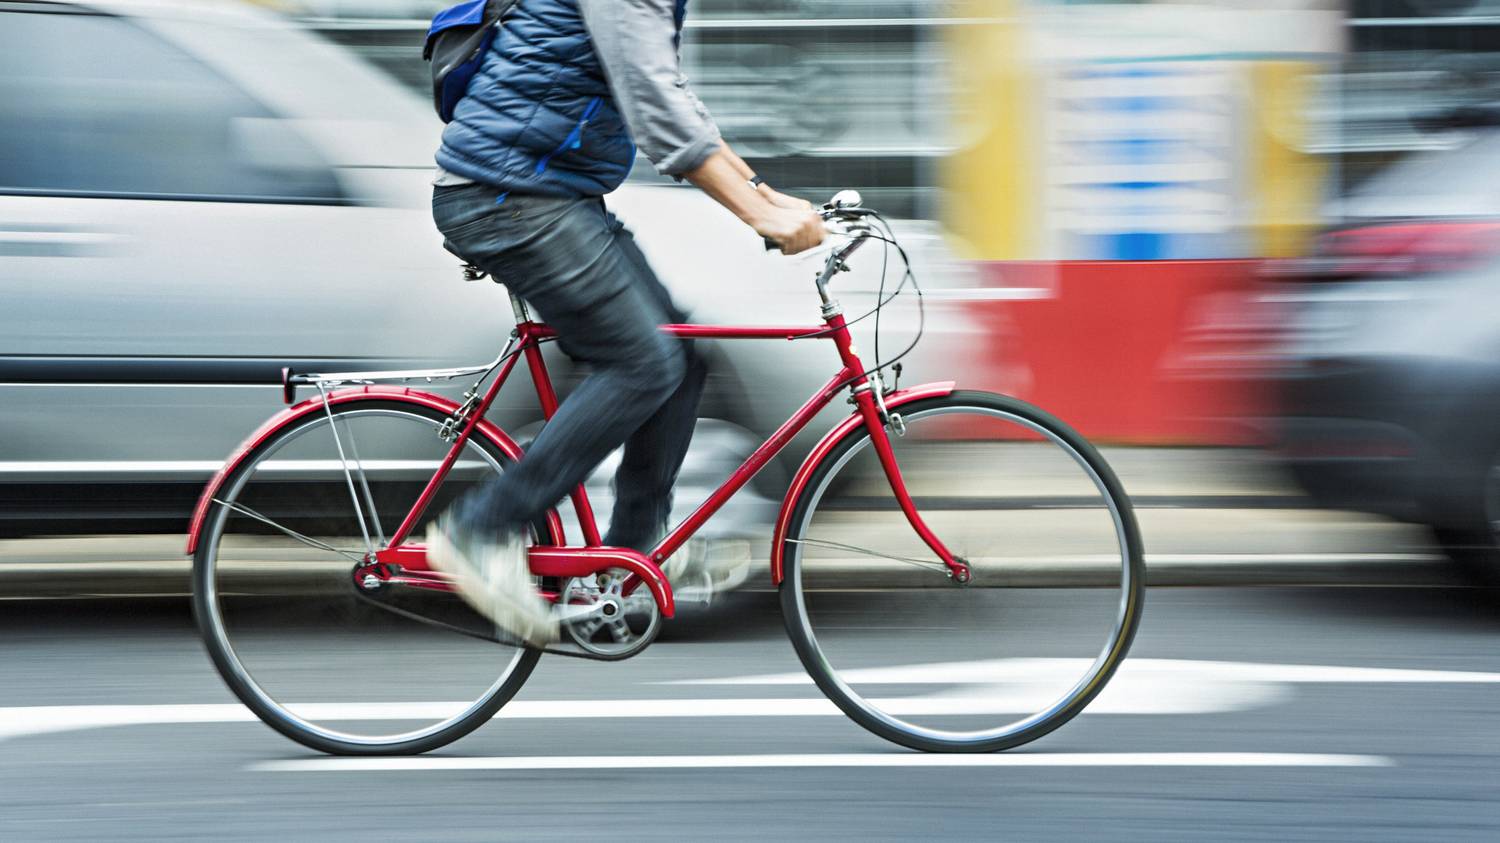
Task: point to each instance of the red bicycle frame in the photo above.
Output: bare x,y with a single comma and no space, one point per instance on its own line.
405,563
853,375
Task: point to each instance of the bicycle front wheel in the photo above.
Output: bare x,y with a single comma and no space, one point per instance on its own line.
332,665
1054,601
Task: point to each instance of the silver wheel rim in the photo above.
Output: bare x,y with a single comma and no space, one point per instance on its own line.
1091,680
237,667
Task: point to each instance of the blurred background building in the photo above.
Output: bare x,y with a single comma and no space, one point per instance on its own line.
816,95
1043,136
828,93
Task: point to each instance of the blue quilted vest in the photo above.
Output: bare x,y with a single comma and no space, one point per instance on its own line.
538,117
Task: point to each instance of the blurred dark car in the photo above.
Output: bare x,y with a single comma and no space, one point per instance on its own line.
1390,382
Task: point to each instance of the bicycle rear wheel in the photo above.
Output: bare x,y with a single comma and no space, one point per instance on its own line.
1057,588
321,660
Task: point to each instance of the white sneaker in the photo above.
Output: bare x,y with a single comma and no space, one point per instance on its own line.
494,579
705,567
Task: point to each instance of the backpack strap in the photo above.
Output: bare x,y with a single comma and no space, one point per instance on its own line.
455,45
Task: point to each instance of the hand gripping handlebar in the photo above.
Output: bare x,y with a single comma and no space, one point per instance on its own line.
845,207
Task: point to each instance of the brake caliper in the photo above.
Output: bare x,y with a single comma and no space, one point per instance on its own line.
459,418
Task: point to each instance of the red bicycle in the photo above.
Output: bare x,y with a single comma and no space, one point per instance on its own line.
957,570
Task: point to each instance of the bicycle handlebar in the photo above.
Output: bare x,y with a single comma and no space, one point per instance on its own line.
845,206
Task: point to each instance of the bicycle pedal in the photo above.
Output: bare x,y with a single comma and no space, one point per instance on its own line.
697,594
571,614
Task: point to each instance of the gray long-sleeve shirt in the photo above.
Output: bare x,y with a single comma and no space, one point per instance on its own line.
637,43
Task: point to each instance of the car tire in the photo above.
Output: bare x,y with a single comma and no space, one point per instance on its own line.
1474,546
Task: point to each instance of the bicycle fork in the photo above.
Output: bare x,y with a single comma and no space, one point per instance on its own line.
877,421
869,398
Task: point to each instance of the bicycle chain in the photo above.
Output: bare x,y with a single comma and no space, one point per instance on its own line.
493,639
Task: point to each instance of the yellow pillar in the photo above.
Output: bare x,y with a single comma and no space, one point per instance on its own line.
1286,182
993,181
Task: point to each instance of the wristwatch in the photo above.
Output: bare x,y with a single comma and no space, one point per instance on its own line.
756,182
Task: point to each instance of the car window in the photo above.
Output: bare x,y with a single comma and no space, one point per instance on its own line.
95,105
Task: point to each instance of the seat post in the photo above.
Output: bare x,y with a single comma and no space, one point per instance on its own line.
519,307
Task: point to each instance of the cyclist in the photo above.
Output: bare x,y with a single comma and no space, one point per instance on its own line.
550,124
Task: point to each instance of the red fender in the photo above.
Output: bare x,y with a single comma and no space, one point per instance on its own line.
820,451
402,394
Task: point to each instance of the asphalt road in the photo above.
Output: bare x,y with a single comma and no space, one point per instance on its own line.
1293,713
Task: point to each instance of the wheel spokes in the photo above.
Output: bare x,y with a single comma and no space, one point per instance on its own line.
832,545
294,632
305,539
1036,515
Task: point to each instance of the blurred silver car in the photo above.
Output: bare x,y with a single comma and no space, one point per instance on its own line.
195,195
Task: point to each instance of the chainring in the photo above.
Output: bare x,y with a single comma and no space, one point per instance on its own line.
602,620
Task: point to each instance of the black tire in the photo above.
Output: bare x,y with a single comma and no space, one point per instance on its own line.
799,627
1472,553
1470,536
221,651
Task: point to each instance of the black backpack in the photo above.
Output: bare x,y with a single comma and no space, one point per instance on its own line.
456,43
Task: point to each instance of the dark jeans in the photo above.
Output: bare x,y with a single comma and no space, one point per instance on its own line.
578,267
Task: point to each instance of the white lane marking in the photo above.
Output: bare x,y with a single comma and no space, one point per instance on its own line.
699,762
36,720
1154,670
1002,686
43,719
1140,686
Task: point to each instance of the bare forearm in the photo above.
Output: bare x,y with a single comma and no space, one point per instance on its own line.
737,162
764,189
722,176
794,226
